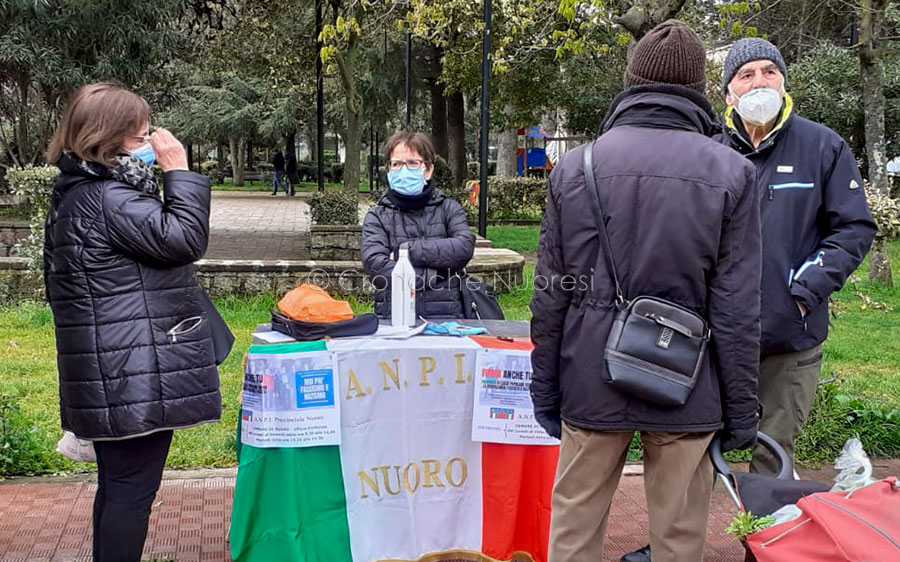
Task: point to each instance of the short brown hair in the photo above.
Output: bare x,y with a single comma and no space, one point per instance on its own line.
414,141
96,122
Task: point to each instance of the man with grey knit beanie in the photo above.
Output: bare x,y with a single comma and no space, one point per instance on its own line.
680,211
816,229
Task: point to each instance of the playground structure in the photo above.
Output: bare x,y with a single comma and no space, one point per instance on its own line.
537,152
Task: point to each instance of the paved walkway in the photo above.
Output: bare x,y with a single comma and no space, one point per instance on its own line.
42,522
253,225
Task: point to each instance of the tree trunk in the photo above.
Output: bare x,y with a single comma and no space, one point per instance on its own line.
507,140
220,156
644,15
22,149
353,102
190,155
456,134
872,75
438,105
313,139
238,160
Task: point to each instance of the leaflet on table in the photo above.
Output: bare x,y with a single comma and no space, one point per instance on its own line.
503,410
291,400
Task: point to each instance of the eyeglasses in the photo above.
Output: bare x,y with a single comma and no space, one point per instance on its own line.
415,164
145,138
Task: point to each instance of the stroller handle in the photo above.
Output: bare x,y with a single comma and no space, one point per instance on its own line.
785,468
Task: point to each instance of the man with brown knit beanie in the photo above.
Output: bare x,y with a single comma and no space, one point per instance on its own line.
681,215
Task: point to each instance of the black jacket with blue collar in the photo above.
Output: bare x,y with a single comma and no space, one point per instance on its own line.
815,222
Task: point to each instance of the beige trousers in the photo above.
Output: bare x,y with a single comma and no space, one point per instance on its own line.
678,479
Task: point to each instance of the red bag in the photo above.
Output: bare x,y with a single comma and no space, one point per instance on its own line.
863,525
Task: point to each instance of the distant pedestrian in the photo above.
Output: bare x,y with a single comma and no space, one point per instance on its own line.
278,177
290,162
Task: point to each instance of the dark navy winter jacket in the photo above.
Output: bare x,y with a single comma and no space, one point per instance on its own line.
683,222
816,225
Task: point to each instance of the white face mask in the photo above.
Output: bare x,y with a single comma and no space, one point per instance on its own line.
759,106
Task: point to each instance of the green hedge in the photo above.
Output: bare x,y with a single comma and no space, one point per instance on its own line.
334,207
508,198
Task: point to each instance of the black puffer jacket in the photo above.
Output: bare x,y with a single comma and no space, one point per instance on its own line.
440,245
683,221
121,286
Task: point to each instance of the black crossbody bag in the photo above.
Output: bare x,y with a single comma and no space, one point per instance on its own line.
655,348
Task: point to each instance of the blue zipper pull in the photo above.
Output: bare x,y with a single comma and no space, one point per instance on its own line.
771,193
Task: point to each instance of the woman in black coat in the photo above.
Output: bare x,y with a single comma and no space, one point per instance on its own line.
134,330
414,210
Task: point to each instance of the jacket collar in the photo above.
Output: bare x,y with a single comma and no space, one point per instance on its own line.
396,201
737,134
663,106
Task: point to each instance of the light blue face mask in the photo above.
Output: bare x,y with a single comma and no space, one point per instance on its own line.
145,154
407,182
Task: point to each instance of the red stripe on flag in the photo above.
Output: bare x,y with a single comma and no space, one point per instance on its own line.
490,342
517,481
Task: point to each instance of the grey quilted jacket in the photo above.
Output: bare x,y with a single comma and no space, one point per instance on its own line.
134,346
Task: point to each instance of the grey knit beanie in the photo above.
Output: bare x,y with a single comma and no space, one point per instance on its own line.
670,53
749,50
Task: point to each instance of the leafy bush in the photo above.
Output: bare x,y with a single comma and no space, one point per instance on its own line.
209,165
35,184
826,86
216,176
21,450
516,198
473,169
334,207
836,417
745,524
211,169
334,173
886,212
508,198
307,171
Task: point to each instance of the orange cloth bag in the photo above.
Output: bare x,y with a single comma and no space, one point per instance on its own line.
309,303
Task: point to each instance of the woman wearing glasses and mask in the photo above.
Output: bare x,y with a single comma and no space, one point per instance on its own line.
134,330
413,210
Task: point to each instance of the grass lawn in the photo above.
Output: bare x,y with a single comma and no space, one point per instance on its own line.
522,239
16,212
863,351
267,186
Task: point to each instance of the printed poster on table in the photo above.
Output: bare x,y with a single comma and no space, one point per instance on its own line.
503,411
291,400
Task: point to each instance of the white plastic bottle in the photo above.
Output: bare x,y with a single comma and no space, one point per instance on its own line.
403,291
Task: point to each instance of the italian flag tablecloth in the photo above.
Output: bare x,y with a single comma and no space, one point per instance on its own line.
407,481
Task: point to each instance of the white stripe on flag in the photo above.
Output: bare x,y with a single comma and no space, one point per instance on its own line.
412,474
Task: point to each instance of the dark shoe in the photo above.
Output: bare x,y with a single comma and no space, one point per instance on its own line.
639,555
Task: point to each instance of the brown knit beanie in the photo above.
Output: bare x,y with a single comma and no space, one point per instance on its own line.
670,53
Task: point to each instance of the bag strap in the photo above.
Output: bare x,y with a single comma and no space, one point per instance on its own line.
605,247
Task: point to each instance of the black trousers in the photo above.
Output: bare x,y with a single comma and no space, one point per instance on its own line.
128,476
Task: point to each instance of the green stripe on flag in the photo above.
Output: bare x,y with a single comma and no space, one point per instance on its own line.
289,504
298,347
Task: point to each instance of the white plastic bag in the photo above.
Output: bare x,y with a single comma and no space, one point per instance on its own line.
788,512
855,469
76,449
